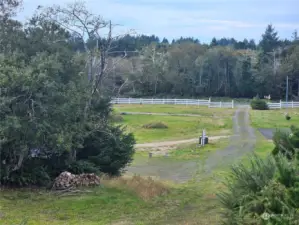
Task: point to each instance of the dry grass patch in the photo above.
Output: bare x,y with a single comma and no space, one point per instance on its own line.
145,188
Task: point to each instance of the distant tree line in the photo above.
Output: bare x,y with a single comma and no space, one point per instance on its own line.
185,67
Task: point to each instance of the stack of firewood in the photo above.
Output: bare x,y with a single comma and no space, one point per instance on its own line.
67,180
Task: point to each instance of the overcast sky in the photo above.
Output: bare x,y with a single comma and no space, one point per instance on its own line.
202,19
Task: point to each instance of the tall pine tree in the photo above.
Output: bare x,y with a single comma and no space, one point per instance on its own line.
270,39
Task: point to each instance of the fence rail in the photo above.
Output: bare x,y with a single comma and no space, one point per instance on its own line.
281,105
199,102
160,101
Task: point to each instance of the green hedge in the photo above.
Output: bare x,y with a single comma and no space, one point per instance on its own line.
259,104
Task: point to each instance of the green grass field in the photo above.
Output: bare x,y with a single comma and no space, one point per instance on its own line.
115,203
195,152
175,109
124,200
179,127
263,146
273,118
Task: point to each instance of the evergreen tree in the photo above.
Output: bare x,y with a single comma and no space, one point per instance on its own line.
165,41
295,35
213,42
270,40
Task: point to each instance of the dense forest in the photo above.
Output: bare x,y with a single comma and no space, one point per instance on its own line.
148,66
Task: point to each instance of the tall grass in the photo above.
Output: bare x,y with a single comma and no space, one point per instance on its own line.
145,188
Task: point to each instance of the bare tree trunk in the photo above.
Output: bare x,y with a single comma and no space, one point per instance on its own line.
119,90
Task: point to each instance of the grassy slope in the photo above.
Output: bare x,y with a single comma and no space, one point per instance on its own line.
123,201
193,151
175,109
179,127
100,207
273,118
263,146
112,205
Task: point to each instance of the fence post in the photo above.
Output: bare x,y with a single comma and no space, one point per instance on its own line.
209,102
232,104
117,100
163,101
198,102
129,100
175,101
152,100
141,101
220,104
292,104
186,102
280,104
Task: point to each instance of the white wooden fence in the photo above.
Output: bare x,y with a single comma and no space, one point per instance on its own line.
222,104
199,102
155,101
281,105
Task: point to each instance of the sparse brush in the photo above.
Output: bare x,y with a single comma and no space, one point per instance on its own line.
116,118
155,125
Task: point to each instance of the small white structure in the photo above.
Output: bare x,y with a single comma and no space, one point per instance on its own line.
203,138
267,97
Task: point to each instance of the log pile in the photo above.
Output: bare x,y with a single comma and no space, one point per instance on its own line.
67,180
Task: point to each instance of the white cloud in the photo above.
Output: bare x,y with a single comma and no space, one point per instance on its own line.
201,20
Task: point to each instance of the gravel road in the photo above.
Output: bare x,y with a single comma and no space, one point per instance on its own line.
241,142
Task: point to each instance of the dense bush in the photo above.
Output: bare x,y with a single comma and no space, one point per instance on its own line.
81,166
155,125
109,150
267,191
286,143
259,104
265,188
51,117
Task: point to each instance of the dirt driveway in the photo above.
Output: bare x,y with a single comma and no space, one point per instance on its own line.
241,142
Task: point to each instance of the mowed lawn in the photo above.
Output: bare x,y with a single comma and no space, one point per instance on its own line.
176,109
274,118
132,201
179,127
125,200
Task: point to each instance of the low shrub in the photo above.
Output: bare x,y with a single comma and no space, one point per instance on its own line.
287,116
259,104
155,125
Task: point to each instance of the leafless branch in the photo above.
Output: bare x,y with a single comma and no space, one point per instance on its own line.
85,25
